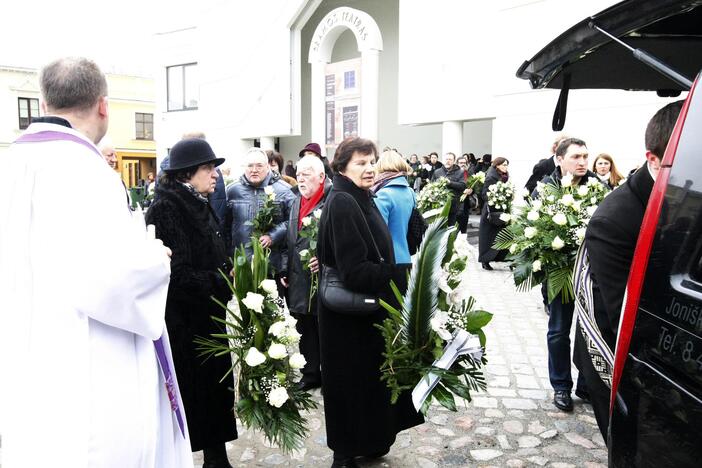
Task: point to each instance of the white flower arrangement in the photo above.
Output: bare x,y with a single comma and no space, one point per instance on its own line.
277,351
254,357
253,301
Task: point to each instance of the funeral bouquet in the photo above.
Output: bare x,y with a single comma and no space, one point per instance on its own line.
260,336
310,228
263,221
475,182
434,342
434,196
543,238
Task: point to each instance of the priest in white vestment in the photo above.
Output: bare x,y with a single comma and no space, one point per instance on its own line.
82,298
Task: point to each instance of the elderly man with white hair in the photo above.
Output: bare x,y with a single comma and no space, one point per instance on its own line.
246,196
312,189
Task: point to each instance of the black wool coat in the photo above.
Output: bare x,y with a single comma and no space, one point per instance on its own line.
610,240
360,419
299,279
190,229
487,231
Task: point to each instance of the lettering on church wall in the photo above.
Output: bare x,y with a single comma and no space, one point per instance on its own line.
343,17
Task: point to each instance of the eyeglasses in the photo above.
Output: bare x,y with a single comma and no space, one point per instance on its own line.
256,166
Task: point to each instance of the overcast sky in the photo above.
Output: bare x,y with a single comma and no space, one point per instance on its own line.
117,34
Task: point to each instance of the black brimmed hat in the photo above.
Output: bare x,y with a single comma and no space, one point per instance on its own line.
191,152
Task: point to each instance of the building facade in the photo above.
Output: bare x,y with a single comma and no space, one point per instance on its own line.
415,75
131,103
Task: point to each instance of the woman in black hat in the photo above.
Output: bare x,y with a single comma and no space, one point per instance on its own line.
187,225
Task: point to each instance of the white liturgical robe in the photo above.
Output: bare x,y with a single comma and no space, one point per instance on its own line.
82,297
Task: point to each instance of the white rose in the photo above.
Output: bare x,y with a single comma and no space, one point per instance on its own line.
317,214
551,198
530,232
537,204
567,180
580,234
593,200
536,266
557,243
254,357
567,199
297,361
576,205
591,210
512,248
444,334
533,215
278,396
291,335
270,287
505,217
560,219
304,253
278,328
583,190
253,301
277,351
269,190
306,221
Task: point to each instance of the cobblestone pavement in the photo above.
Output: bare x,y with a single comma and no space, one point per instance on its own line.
513,424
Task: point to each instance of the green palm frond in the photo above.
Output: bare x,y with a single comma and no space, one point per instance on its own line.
506,237
560,280
420,301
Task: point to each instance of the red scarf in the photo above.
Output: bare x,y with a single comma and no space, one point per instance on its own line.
307,205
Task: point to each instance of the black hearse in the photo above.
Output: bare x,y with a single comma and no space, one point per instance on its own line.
656,415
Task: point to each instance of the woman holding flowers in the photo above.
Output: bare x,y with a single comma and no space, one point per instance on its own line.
312,190
354,240
498,172
395,200
184,220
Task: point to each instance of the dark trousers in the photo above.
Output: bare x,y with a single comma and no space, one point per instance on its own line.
308,327
462,217
560,320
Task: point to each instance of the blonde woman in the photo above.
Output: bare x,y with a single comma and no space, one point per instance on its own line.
606,170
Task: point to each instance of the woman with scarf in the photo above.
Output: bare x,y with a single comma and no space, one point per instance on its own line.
606,171
395,200
498,172
185,222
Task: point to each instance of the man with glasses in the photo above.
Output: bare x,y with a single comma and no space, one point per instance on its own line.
312,189
245,198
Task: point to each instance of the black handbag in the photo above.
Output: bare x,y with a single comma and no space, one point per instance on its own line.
416,227
494,218
337,297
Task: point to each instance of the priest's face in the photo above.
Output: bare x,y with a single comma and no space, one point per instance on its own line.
205,178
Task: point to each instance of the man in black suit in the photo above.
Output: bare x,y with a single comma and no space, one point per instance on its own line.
610,241
545,166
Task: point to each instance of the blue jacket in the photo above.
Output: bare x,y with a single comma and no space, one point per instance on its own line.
395,201
244,201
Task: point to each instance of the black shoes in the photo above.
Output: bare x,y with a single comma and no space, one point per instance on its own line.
562,400
486,266
342,461
583,395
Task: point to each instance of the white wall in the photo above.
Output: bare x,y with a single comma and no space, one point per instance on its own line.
14,83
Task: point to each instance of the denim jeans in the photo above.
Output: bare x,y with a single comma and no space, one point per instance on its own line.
560,320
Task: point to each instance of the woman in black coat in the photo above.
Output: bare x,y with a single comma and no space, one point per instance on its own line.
186,224
360,419
488,231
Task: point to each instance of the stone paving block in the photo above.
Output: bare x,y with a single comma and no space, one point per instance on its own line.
519,403
485,402
519,368
461,442
515,463
515,413
541,461
501,392
504,442
577,439
519,359
597,439
499,382
485,454
561,450
529,442
497,370
562,465
424,463
536,428
513,426
526,381
494,413
534,394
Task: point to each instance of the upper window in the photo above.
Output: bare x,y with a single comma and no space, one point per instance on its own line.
144,124
183,87
28,108
349,79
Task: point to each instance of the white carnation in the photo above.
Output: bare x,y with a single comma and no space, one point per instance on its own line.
297,361
277,351
254,357
253,302
536,266
278,396
270,287
560,219
530,232
557,243
533,215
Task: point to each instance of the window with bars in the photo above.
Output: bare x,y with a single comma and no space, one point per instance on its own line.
350,79
144,124
28,108
182,87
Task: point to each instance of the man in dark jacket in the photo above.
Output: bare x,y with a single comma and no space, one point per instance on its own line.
571,156
610,241
246,197
456,183
311,191
545,166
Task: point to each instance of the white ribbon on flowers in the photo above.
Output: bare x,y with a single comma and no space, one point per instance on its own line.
461,344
